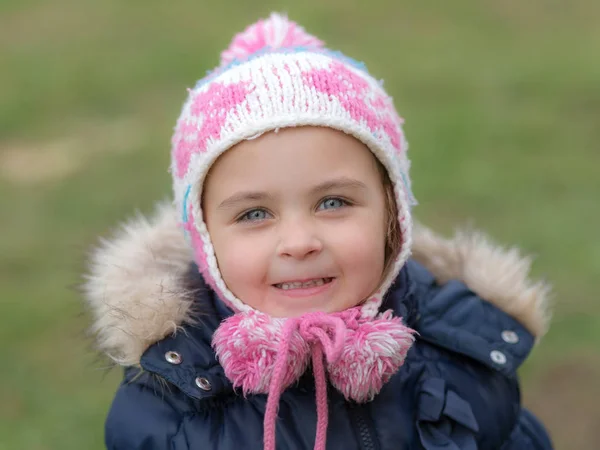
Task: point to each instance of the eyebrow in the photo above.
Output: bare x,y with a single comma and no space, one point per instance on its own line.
339,183
260,196
242,197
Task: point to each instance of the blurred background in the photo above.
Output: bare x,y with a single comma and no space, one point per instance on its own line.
502,108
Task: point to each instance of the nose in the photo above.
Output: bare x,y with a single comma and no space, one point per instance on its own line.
298,240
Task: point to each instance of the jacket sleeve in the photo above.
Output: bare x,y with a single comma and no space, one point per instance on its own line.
142,417
528,434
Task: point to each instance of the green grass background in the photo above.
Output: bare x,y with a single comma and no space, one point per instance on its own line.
502,108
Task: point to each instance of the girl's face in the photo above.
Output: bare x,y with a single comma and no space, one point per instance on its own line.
298,221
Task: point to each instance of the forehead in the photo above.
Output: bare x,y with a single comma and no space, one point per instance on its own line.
292,157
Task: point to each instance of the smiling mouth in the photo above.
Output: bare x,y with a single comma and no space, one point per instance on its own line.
303,284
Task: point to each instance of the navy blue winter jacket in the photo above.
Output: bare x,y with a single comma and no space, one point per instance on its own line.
458,388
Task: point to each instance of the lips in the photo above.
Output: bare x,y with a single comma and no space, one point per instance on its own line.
306,284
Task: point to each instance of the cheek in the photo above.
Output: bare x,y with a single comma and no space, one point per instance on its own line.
242,263
360,249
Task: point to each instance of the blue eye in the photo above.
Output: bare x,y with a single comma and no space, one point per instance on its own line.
254,215
332,203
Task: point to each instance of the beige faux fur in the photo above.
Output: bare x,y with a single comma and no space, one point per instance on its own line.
134,289
133,286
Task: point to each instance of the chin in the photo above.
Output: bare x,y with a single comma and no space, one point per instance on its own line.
290,308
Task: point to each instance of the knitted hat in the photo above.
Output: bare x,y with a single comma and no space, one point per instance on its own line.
275,75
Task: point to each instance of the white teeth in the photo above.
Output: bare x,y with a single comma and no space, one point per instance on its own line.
298,284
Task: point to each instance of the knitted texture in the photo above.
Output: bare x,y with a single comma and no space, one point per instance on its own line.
275,75
265,355
362,353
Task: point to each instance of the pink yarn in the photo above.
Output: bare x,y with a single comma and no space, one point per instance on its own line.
247,345
321,331
351,90
321,398
199,254
275,32
277,385
265,355
318,327
210,110
373,352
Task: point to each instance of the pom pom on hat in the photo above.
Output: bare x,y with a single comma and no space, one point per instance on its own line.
275,32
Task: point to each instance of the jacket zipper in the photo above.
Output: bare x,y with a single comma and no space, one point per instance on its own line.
364,433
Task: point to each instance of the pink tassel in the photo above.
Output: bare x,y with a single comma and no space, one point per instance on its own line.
247,345
373,352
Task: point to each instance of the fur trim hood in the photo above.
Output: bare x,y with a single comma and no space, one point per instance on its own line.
134,285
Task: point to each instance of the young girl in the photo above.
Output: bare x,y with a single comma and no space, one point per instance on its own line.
277,305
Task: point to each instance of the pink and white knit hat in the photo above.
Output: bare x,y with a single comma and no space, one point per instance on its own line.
275,75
